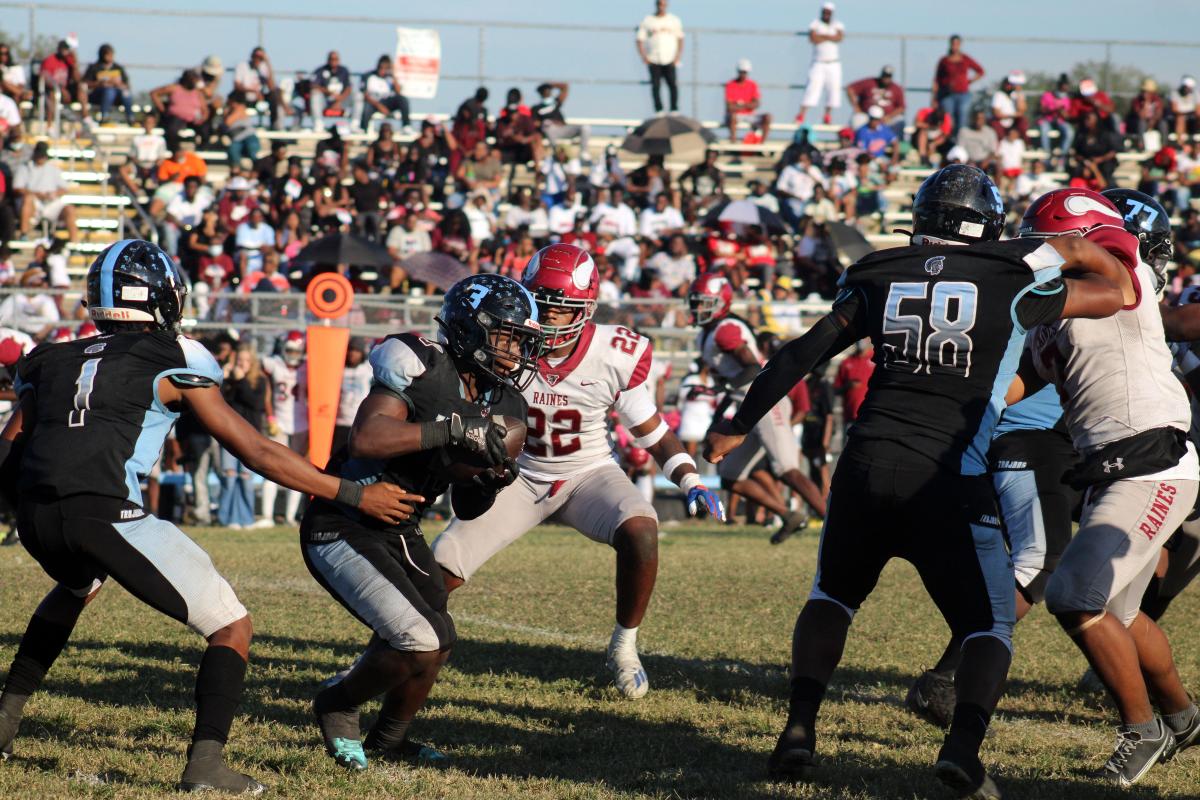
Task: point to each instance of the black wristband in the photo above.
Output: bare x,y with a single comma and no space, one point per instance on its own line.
435,434
349,493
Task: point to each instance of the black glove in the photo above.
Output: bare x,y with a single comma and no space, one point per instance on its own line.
479,435
494,479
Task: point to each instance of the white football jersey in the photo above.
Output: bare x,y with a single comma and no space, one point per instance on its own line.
289,393
570,402
1113,374
717,345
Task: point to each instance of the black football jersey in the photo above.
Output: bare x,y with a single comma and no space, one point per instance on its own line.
421,373
100,425
948,325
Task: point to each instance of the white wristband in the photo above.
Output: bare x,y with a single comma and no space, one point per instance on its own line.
689,481
676,461
651,438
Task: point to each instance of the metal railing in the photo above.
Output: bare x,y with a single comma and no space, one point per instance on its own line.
701,41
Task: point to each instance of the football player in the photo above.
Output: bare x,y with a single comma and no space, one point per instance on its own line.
92,419
289,400
728,346
1128,417
947,316
427,397
568,473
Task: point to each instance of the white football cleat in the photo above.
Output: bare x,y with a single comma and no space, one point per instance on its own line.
628,674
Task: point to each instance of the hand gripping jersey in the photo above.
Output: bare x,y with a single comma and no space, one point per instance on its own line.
569,402
717,343
948,326
421,374
1113,374
289,393
100,424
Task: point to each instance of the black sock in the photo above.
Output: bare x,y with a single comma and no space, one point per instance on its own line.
969,726
806,698
40,646
388,734
219,685
334,698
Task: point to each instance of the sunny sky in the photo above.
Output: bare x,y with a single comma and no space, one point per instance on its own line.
595,42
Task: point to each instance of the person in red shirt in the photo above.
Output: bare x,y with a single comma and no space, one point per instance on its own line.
931,134
1091,97
742,100
880,91
952,82
60,74
851,382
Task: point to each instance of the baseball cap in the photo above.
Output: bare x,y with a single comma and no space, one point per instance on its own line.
847,132
1016,77
1189,81
887,71
212,66
958,155
827,7
1087,87
743,65
875,112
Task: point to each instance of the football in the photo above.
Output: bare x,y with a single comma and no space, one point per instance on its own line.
461,466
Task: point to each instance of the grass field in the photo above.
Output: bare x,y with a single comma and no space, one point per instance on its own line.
525,707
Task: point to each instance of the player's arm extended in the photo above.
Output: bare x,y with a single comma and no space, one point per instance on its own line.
1026,382
1098,274
280,463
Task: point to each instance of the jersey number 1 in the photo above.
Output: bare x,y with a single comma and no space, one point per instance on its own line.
937,336
84,385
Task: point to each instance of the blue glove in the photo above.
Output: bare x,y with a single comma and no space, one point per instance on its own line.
702,501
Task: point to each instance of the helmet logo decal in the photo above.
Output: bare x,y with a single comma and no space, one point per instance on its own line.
478,292
934,265
135,293
974,229
1081,204
581,276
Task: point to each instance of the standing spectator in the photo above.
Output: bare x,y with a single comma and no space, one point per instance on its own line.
330,91
59,73
1010,152
108,84
742,99
254,83
211,70
254,238
356,383
825,71
288,373
1147,112
267,278
474,108
647,181
703,180
882,92
181,106
148,148
1054,108
548,113
248,392
660,44
239,126
851,380
952,82
931,134
1095,154
661,221
12,76
1183,108
43,190
183,213
381,95
979,141
1009,105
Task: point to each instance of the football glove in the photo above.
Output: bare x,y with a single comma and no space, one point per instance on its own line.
701,500
480,436
494,479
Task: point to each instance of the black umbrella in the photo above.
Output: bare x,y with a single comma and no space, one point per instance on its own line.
669,134
744,212
345,248
849,242
441,270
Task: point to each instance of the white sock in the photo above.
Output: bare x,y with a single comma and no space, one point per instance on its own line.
624,638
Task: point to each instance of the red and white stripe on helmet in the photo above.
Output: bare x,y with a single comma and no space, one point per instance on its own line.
563,276
710,297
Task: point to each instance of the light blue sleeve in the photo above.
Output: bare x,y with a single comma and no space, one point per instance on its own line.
395,365
200,363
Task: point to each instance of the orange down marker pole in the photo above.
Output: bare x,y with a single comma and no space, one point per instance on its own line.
329,296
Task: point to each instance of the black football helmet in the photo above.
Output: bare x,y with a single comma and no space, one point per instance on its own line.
1146,219
482,317
958,203
132,284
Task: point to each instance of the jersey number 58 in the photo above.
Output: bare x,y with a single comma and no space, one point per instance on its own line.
927,332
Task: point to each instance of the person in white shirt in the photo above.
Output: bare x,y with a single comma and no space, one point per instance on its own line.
10,118
182,213
660,44
761,197
1010,152
480,216
148,148
676,266
614,218
1009,104
1183,107
825,71
660,221
561,218
356,384
254,82
252,236
796,184
406,239
1037,182
34,314
381,95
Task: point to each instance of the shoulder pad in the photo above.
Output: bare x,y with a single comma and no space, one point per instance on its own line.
399,360
201,368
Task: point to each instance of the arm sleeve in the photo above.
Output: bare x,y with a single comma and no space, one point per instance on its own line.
635,406
833,333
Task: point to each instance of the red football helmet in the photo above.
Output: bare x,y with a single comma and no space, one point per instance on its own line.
563,276
63,334
637,457
1069,211
87,330
709,298
293,348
